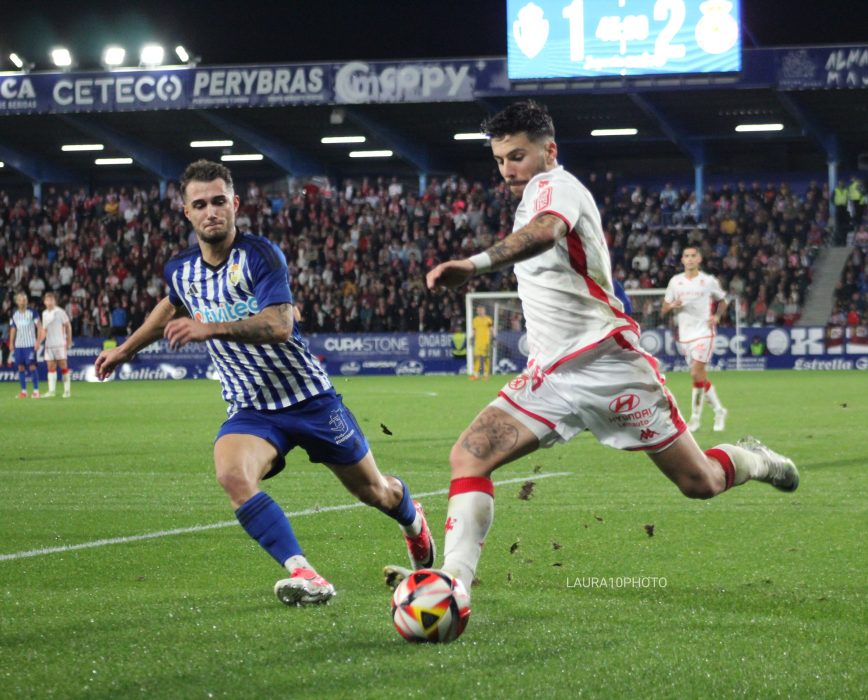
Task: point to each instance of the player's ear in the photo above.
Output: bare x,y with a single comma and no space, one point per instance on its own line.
236,201
551,150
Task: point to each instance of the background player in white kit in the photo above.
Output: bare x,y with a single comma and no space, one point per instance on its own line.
24,339
57,339
585,368
691,295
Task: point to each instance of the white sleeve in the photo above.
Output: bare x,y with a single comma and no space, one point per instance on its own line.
717,291
669,297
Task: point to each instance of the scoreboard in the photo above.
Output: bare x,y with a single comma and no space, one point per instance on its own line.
593,38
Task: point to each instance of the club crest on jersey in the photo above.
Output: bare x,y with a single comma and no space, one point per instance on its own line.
234,275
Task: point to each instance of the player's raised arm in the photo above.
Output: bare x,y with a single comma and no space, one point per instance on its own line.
150,331
529,241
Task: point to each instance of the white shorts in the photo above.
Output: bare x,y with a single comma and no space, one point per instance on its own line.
614,390
55,353
698,350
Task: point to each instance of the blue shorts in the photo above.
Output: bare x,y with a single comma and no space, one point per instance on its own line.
25,356
322,426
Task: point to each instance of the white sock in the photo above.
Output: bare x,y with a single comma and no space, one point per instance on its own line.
696,402
413,528
469,515
67,383
746,464
52,382
711,395
296,561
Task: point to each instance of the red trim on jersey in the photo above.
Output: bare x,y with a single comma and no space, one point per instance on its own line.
470,484
542,420
553,213
726,464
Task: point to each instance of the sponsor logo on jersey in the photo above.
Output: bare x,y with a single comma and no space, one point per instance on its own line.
648,434
228,312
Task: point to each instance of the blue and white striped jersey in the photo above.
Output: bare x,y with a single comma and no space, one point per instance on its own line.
24,323
254,276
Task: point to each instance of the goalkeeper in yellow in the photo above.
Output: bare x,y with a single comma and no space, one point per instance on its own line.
482,333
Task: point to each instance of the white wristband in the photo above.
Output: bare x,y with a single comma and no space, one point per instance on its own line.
481,261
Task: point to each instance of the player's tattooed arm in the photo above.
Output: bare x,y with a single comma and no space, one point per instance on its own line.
271,325
531,240
488,435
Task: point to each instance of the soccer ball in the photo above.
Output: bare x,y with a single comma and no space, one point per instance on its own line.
430,606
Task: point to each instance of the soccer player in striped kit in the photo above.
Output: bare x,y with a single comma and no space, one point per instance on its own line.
585,368
24,338
232,293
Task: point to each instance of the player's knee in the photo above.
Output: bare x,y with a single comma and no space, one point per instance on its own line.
236,483
465,463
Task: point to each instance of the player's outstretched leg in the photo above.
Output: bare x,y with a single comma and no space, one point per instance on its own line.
774,468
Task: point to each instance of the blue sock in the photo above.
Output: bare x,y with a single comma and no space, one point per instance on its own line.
22,380
34,376
266,523
405,511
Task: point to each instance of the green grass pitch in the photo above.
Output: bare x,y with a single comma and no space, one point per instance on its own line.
764,596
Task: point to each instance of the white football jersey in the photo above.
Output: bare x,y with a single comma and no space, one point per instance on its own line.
697,296
54,322
566,292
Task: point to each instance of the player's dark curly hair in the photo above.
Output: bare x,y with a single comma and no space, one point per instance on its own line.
205,171
528,116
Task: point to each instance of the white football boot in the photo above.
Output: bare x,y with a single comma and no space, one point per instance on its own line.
720,420
782,472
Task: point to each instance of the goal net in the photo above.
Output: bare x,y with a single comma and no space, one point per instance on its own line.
506,351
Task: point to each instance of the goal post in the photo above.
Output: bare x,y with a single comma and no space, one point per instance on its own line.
504,309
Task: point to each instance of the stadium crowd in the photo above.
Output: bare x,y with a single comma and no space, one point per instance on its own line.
358,254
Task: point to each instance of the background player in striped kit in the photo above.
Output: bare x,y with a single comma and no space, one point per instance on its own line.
231,291
57,339
24,339
585,367
691,295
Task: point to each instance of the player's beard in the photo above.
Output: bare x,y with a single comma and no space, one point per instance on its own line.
214,235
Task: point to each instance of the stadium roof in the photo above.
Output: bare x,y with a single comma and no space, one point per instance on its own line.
679,123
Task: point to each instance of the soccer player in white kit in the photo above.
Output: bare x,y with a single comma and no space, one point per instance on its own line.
691,295
585,368
57,339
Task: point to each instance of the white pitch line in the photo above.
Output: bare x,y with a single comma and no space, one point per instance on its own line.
228,523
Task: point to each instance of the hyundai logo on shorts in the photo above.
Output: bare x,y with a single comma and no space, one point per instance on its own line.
624,403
